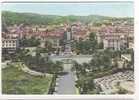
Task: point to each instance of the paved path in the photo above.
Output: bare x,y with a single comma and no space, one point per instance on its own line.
28,70
66,83
31,72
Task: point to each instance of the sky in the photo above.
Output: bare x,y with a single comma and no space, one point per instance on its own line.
113,9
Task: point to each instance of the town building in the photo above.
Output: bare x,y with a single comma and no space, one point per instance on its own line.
115,41
115,37
10,45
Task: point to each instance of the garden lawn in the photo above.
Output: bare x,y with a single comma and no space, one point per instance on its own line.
15,81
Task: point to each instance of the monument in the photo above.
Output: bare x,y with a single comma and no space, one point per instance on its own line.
68,40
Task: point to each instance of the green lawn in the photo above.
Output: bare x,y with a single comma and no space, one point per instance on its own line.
15,81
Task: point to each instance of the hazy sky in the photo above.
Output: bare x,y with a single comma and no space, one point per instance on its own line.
123,9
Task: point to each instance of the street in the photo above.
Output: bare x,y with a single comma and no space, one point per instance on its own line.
66,83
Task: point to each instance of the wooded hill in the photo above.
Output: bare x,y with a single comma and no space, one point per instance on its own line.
11,18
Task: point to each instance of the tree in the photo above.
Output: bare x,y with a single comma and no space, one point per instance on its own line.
20,55
86,46
92,36
100,45
132,57
115,63
29,42
49,47
86,85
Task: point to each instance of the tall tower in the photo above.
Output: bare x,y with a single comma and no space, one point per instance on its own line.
68,39
68,34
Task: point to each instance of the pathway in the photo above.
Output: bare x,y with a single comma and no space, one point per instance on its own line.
66,83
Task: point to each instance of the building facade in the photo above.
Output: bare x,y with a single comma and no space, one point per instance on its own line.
10,45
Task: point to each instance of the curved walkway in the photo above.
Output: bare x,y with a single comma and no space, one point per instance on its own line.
29,71
32,72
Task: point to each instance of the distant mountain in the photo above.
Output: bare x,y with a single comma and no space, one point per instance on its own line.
11,18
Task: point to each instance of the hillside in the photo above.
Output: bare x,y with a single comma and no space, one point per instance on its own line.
11,18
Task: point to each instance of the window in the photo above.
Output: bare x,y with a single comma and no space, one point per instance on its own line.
14,45
14,41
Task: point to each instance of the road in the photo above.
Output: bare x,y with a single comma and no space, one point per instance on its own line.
66,83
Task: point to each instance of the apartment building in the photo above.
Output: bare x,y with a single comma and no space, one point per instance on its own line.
115,41
10,45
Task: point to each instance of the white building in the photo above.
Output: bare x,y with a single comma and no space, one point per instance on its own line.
10,44
111,44
114,41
